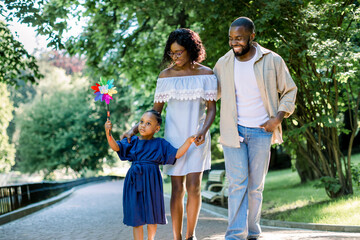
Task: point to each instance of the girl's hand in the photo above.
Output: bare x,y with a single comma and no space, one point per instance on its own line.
200,138
108,126
192,138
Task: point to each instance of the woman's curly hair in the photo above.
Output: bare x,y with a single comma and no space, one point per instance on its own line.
190,40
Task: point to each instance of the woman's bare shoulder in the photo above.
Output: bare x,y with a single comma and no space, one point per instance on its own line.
166,73
204,70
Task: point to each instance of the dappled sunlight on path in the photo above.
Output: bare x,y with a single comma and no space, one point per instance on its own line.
94,212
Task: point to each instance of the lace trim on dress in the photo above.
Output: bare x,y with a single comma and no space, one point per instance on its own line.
209,95
186,88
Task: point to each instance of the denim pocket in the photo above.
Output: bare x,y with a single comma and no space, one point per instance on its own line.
266,132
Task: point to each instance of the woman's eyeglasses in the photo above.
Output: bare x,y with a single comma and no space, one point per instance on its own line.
177,54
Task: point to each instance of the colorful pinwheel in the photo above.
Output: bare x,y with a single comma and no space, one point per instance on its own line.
103,91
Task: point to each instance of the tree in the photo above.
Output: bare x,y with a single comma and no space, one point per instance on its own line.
320,44
15,61
71,65
7,150
61,127
319,40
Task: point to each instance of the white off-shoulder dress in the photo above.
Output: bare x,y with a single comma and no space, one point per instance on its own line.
186,98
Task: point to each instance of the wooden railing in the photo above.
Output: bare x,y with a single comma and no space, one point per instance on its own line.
13,197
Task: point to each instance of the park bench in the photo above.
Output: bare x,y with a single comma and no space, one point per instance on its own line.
216,189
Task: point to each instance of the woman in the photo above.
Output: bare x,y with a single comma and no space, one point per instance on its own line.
190,90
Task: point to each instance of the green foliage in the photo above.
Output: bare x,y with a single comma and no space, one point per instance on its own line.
319,41
61,127
15,62
7,150
355,172
332,186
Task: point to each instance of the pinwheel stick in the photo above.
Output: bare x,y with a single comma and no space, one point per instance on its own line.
108,111
108,115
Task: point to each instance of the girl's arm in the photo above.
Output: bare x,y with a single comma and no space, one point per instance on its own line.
210,116
113,144
134,130
182,150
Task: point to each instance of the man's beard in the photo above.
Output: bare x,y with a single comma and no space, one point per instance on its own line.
244,51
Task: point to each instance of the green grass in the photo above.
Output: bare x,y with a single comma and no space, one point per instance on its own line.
288,200
283,191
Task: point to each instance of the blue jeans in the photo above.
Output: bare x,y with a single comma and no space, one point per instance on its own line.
246,168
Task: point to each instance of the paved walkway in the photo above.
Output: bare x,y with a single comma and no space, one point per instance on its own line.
94,212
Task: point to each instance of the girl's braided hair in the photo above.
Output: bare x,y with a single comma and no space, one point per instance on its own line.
156,114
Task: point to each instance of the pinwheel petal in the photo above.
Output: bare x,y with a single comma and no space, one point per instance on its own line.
110,83
95,88
112,91
107,98
99,96
102,81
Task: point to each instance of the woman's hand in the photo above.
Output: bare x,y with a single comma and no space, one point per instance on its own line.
200,138
128,135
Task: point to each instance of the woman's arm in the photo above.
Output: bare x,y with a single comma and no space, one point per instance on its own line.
158,106
113,144
182,150
134,130
210,116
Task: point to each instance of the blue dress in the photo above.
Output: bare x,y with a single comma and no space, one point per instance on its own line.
143,198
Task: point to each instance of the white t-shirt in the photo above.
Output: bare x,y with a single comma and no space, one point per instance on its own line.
250,107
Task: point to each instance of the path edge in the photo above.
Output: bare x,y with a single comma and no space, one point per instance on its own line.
223,212
22,212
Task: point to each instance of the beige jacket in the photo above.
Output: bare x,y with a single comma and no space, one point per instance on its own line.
277,89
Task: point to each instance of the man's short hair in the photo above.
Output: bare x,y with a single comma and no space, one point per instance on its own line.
245,22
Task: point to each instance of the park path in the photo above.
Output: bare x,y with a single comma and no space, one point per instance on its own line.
94,212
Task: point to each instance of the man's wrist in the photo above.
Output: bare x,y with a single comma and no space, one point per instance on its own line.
280,116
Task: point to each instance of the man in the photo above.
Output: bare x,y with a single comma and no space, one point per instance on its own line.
256,92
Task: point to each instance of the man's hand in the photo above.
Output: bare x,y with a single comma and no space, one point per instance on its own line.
271,124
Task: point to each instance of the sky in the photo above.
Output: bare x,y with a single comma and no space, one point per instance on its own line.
31,41
27,36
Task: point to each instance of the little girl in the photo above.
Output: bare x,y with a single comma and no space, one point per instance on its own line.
143,200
